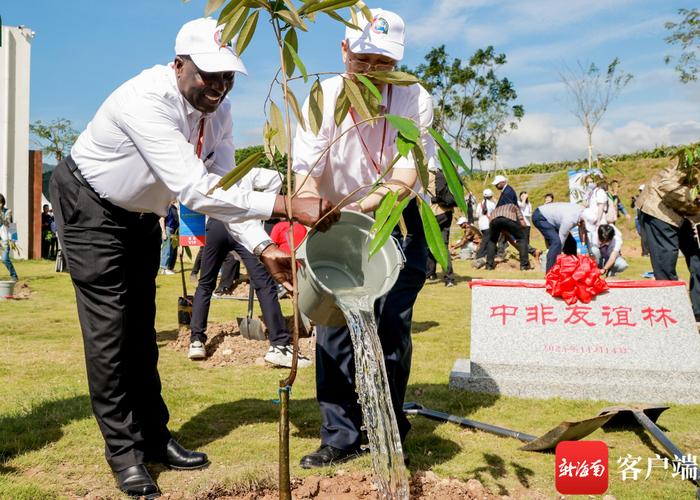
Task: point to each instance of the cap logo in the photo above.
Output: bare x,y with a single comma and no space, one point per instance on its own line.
217,39
380,25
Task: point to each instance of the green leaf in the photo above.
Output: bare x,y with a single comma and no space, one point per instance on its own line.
287,59
356,98
394,77
451,153
365,11
231,8
237,173
403,146
383,234
306,8
338,18
370,86
296,60
233,25
212,6
381,214
421,165
279,139
342,106
188,252
405,126
247,32
325,5
316,107
294,104
292,39
453,182
433,235
291,18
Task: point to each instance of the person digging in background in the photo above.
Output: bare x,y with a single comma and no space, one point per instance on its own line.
469,242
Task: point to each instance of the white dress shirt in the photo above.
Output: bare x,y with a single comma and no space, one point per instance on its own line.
346,167
250,233
138,152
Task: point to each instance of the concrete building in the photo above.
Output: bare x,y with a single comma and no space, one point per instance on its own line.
17,179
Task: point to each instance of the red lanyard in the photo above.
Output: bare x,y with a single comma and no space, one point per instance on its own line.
368,154
200,139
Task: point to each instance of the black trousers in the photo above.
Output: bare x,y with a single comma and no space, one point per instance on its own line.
335,364
663,241
219,244
230,271
515,230
481,251
113,257
444,221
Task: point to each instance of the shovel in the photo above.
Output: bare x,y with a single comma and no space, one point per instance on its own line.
251,328
646,416
565,431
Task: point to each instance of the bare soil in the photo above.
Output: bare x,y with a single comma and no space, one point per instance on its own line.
22,291
225,346
359,485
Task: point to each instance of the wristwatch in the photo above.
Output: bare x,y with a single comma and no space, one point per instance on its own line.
261,247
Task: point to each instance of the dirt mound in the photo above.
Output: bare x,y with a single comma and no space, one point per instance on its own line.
359,485
226,346
22,291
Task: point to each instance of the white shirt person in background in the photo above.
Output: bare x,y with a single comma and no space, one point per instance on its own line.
165,134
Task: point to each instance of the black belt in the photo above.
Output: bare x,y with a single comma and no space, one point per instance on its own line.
73,167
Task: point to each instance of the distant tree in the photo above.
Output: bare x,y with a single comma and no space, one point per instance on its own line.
686,33
55,138
591,92
473,106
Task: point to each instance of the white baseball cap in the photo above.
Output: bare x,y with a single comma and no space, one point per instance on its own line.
488,193
201,40
462,220
385,35
498,179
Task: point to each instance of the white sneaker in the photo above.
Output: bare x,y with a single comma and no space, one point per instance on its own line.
164,270
281,355
197,350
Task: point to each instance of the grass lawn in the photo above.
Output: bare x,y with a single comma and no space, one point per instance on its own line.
50,445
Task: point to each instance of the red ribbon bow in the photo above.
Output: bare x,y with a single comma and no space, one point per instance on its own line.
575,277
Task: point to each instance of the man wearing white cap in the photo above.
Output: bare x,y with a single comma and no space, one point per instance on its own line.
356,159
508,194
165,134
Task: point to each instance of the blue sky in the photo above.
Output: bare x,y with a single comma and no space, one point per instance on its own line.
84,49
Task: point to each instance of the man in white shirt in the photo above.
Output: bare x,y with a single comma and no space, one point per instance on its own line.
606,247
165,134
555,221
355,160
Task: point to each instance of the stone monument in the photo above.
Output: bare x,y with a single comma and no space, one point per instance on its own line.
638,342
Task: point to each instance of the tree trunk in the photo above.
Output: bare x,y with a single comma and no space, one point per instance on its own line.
590,148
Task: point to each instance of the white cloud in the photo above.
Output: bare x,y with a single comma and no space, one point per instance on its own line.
540,138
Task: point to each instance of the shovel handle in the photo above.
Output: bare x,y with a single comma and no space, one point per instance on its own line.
251,296
465,422
668,445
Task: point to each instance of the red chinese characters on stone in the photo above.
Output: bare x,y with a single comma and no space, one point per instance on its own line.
656,316
578,315
540,314
617,316
503,312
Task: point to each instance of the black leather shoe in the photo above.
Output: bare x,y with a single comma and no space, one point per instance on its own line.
177,457
136,482
327,455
